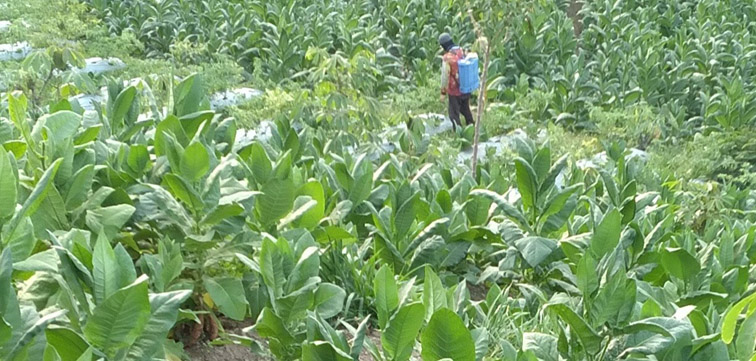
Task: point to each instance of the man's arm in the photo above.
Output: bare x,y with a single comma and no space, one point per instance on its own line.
444,76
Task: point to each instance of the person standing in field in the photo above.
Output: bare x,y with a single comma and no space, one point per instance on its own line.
458,102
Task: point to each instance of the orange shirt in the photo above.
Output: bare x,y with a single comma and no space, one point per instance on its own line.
450,72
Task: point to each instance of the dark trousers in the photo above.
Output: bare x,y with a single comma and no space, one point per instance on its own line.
457,105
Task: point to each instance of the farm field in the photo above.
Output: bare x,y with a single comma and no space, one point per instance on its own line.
278,180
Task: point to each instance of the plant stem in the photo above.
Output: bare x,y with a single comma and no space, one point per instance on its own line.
606,347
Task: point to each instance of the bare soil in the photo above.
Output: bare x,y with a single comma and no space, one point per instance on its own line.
231,352
206,352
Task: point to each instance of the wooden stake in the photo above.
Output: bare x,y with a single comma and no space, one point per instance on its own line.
481,109
485,44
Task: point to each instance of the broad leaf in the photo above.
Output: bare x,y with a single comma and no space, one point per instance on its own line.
680,263
164,312
195,162
117,322
122,105
607,234
446,337
270,325
399,337
329,300
527,183
730,320
434,293
8,187
276,201
535,249
228,295
105,270
588,337
386,294
34,200
322,351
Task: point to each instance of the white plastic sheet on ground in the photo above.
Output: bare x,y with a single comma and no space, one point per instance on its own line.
263,132
601,159
17,51
233,97
99,66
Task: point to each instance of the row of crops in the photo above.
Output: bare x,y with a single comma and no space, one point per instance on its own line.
145,225
119,232
691,60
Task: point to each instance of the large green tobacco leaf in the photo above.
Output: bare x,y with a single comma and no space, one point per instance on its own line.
329,300
730,320
398,339
543,346
139,159
746,340
9,310
228,295
614,301
276,201
188,96
406,214
501,203
59,126
304,271
270,325
535,249
168,128
302,205
105,271
477,209
386,294
126,270
122,105
607,234
526,183
24,347
588,337
541,163
557,202
678,335
434,228
434,293
273,267
447,337
221,213
78,187
260,164
164,311
51,214
34,200
554,172
68,344
587,278
45,261
195,162
183,191
679,263
117,322
109,219
322,351
193,122
17,105
8,187
312,217
361,188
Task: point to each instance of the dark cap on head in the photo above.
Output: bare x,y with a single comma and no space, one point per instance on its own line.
444,38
